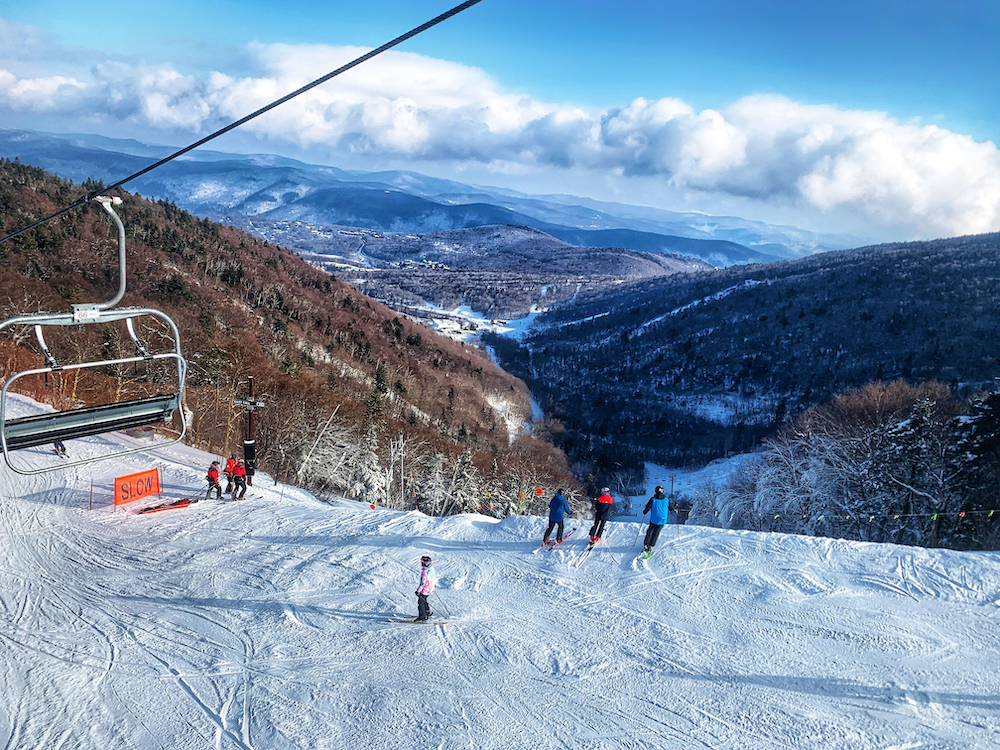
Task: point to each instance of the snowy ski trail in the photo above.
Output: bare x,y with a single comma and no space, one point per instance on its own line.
263,624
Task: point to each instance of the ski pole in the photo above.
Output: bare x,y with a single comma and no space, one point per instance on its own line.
639,531
443,606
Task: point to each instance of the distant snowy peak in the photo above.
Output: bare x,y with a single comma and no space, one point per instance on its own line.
216,184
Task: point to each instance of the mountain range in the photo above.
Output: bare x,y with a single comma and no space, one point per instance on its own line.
227,186
339,370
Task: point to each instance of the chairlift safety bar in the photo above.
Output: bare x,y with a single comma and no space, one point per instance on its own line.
18,434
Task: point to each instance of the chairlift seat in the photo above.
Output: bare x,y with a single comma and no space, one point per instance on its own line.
70,424
26,432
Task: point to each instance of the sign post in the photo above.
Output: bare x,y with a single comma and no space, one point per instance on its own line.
249,443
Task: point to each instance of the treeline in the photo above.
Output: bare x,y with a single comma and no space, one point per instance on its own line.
888,462
402,471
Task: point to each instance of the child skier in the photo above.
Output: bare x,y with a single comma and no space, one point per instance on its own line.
213,481
425,589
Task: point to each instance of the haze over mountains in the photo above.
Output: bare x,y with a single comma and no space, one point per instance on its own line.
498,271
226,186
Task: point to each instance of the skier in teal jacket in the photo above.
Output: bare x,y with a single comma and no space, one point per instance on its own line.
657,509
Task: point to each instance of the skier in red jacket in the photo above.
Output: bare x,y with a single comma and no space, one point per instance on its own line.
602,512
239,481
213,481
230,468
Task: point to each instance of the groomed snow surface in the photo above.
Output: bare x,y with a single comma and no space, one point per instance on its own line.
264,624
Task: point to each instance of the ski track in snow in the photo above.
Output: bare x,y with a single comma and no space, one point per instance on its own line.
264,624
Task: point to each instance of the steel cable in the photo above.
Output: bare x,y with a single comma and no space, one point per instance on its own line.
232,126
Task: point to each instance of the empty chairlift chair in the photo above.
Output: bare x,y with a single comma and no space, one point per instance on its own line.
42,429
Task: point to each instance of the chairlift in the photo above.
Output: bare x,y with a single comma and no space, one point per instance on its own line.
68,424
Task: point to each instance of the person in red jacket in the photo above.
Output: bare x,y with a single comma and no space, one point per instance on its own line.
602,512
230,468
239,481
213,481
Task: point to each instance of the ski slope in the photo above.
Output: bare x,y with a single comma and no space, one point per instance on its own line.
264,624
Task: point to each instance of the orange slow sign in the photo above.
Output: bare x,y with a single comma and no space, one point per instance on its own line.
138,485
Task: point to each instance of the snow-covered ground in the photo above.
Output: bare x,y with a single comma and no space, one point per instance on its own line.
264,624
463,323
686,481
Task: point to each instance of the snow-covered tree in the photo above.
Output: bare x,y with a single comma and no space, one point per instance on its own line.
369,478
330,449
976,462
873,464
435,485
466,488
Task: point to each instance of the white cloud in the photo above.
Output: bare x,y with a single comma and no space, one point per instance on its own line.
404,106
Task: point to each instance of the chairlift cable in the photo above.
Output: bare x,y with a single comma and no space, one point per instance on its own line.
342,69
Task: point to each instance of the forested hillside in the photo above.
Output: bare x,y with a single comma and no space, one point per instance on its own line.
360,400
689,367
889,462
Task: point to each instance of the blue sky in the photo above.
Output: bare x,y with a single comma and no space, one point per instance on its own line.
613,99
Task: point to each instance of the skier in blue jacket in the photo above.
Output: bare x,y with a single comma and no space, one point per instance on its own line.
558,509
657,509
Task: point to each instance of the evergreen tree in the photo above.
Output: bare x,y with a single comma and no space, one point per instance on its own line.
466,489
369,479
436,485
977,464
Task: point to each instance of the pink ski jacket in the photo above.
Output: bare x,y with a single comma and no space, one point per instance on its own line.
427,578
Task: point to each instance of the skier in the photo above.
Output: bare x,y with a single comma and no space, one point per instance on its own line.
230,468
213,481
425,589
602,512
239,481
558,507
657,509
59,448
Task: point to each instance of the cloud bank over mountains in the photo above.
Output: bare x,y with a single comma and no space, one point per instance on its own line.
402,106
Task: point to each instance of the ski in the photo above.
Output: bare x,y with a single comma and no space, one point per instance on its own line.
560,541
545,545
415,621
584,555
590,548
182,503
552,543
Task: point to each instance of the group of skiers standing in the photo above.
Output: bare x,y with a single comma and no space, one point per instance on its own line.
660,508
236,479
